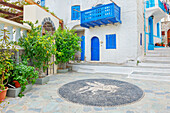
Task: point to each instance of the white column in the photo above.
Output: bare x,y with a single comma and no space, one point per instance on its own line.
1,32
10,33
166,37
18,34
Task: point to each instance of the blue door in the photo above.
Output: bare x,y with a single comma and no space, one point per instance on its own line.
82,48
95,49
151,39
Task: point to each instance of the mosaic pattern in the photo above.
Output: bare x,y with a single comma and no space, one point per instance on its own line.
101,92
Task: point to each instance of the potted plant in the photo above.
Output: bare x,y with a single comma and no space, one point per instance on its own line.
23,75
163,44
67,43
38,48
6,63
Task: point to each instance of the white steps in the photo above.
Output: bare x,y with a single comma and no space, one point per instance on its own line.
156,76
156,66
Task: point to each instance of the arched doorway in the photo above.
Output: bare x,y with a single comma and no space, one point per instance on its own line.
95,49
48,26
168,36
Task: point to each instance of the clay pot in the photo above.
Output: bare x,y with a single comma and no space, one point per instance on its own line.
3,94
17,84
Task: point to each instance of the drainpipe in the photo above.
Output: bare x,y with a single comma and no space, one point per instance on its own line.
144,26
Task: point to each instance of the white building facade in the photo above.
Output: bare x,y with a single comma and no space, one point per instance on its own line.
115,31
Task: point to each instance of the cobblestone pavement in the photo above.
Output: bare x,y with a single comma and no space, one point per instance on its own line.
45,98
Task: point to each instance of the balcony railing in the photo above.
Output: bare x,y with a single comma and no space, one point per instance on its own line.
101,15
161,5
153,3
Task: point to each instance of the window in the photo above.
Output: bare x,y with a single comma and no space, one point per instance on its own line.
43,3
75,13
111,41
158,30
141,39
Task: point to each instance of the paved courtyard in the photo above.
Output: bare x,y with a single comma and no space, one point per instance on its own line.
46,99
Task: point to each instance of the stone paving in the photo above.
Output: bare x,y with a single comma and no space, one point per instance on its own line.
45,98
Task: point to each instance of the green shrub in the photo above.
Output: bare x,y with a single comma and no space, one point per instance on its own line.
24,75
67,43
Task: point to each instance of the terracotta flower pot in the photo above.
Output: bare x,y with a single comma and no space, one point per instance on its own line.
3,94
17,84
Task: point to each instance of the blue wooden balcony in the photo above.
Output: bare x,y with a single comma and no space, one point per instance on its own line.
154,3
155,8
101,15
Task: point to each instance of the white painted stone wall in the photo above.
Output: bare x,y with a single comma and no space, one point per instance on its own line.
128,33
33,13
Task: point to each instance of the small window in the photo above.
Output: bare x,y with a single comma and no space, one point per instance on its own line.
43,3
75,13
141,39
158,30
111,41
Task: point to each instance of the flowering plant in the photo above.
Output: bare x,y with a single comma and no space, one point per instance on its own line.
37,47
6,63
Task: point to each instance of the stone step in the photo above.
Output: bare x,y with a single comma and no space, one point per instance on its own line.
156,61
101,69
158,54
158,76
162,49
123,70
157,58
154,64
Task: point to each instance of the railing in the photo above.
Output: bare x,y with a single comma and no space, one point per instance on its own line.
104,14
152,3
161,5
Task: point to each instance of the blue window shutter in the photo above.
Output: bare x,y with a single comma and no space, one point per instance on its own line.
107,41
111,41
114,41
43,3
147,4
75,15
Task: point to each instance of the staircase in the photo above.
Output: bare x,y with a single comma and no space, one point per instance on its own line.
155,66
158,62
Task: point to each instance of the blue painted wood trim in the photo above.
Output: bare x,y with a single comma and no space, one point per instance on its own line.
82,48
43,3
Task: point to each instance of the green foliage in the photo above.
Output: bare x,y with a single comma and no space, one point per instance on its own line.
67,43
24,75
38,48
6,63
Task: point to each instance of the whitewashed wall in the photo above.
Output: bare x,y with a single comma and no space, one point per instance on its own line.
128,33
33,13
